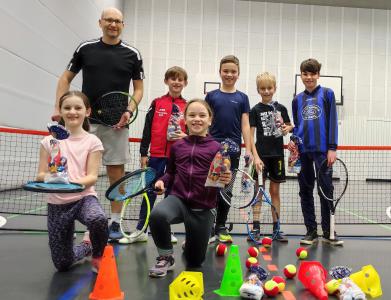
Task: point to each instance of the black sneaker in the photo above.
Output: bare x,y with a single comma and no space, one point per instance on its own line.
310,238
255,235
277,236
334,242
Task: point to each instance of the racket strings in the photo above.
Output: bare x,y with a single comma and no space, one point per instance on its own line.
132,185
130,215
110,107
240,191
333,180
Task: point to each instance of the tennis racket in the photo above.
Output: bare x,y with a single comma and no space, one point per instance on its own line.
267,228
42,187
109,108
332,183
3,221
132,188
248,197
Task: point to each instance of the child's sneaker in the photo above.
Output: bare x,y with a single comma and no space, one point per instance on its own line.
255,234
95,264
115,233
277,236
174,240
223,235
162,266
136,237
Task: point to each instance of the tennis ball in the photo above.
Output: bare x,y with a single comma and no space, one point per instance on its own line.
267,242
332,286
301,253
221,249
271,288
280,282
251,261
253,251
290,271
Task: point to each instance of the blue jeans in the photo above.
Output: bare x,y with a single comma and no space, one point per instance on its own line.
307,183
159,164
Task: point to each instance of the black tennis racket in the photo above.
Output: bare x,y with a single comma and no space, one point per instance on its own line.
332,183
133,188
110,107
42,187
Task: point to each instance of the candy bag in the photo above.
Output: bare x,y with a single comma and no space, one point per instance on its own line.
174,123
57,164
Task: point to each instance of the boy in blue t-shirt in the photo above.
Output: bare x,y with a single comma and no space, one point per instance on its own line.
316,124
230,120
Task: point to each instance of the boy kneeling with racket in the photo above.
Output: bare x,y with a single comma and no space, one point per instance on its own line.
189,201
82,153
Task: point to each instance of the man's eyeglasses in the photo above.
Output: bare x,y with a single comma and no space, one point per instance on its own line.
116,21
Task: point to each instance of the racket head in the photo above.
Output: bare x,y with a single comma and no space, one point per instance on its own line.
241,191
131,184
109,108
335,176
261,211
3,221
42,187
130,215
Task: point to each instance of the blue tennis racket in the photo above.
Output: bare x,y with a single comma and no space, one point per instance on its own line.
42,187
132,189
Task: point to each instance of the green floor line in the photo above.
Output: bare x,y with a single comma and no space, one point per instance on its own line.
366,219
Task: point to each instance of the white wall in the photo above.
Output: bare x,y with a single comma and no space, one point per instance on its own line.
37,40
353,43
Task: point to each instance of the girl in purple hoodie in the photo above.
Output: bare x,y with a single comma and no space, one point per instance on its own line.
189,201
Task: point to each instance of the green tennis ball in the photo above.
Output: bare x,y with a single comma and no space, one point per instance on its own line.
271,288
290,271
301,253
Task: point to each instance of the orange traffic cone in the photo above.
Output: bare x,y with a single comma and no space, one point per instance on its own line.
107,283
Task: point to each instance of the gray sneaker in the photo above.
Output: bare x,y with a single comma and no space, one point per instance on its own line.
162,266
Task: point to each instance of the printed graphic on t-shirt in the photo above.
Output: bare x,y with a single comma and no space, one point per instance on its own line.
267,120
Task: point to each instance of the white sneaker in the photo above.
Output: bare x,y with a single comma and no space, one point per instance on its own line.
174,240
135,237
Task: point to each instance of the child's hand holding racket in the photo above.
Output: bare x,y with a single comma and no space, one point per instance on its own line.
159,187
225,177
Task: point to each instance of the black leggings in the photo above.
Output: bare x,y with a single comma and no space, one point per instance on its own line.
61,224
198,225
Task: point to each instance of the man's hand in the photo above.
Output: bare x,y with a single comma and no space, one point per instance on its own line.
56,116
124,120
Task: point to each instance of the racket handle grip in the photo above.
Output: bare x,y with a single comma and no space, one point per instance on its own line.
332,227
